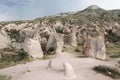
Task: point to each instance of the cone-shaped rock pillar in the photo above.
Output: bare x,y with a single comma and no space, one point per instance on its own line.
59,44
68,71
73,38
49,66
33,47
94,44
87,46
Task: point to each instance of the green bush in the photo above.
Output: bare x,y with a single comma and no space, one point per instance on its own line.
77,50
115,55
22,54
9,59
108,71
4,77
14,34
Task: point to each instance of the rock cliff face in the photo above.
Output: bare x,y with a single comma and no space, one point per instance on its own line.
71,26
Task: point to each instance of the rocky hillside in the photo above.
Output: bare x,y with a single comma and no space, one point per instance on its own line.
13,34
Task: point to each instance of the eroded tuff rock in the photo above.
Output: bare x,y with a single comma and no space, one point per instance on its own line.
58,26
73,38
94,44
51,42
15,33
49,66
4,39
43,42
33,48
69,73
59,44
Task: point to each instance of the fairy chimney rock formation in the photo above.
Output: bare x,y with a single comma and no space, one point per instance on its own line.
33,47
87,46
94,44
68,71
73,38
4,39
51,42
101,48
59,44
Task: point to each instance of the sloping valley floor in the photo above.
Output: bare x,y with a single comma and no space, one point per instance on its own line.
36,70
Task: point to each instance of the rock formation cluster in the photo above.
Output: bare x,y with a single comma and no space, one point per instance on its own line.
90,28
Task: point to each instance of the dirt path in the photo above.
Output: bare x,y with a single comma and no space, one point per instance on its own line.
36,70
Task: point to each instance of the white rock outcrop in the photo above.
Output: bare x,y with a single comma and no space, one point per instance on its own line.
94,45
68,71
33,48
87,50
49,66
101,49
59,44
51,42
4,39
73,38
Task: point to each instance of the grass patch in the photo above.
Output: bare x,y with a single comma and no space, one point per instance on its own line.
69,48
114,51
106,70
79,48
11,59
4,77
6,63
116,55
45,57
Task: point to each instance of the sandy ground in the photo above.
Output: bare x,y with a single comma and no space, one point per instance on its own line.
36,70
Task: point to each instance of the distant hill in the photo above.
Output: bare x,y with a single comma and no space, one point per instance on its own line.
91,17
